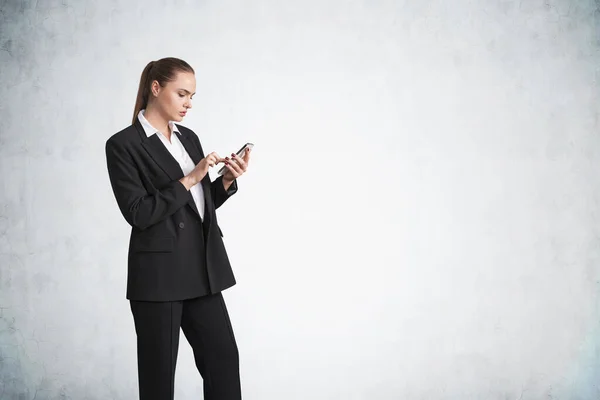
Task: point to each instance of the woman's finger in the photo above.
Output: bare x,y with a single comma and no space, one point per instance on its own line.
246,156
217,159
221,160
233,171
235,165
240,161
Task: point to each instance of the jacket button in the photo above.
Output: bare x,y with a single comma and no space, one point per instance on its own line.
181,225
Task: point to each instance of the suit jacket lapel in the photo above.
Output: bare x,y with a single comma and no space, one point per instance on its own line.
169,165
159,153
196,155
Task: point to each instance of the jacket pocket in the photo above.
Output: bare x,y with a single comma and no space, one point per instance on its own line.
153,244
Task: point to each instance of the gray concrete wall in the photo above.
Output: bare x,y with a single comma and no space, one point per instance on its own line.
420,219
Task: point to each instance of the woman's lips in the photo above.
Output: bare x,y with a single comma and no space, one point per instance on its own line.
182,113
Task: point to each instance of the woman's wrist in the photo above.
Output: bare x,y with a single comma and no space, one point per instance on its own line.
188,181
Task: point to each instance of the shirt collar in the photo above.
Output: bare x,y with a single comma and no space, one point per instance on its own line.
149,129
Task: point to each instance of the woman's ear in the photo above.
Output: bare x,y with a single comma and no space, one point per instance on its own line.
155,88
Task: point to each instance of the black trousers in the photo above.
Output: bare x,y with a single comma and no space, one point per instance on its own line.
206,325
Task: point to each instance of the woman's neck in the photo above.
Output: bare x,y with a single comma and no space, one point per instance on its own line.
154,117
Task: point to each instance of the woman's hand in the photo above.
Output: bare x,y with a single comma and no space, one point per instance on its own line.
201,169
236,166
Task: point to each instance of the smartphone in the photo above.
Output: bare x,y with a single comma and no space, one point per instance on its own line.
240,153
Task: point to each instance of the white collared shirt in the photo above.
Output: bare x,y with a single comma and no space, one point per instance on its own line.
178,152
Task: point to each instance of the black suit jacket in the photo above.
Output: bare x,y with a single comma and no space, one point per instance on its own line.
167,260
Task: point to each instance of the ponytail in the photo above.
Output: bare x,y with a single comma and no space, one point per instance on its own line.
143,93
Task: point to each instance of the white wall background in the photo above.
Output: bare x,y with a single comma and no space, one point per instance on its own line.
420,219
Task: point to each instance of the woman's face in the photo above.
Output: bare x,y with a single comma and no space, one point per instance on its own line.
175,98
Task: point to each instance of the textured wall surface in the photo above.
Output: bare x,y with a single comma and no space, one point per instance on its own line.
420,219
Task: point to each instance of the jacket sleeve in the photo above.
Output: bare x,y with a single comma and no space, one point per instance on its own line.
218,192
140,208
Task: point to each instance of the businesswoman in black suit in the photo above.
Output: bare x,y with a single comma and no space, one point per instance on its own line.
177,263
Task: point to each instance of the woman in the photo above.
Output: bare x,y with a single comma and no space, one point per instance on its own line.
177,263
